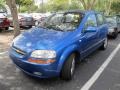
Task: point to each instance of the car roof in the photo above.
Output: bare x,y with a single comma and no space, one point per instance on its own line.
75,11
79,11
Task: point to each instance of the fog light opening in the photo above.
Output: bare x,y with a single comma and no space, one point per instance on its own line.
37,73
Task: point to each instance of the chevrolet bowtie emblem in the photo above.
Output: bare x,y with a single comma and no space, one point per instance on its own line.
19,51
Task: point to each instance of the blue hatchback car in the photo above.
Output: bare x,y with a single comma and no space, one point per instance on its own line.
53,48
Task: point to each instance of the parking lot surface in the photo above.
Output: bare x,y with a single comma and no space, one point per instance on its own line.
11,78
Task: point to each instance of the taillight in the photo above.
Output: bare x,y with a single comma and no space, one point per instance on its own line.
6,21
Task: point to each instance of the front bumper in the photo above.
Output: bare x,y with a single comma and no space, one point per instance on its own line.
2,25
36,70
26,23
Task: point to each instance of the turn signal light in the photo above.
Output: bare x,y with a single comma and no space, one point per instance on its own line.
37,61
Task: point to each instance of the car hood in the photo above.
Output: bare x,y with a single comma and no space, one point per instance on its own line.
38,38
112,25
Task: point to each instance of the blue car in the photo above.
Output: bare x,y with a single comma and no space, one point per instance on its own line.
54,47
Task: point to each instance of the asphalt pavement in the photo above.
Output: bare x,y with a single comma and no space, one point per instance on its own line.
11,78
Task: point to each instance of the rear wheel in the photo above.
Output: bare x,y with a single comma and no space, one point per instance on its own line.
105,44
68,68
6,28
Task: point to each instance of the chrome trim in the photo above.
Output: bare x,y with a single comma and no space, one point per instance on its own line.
18,51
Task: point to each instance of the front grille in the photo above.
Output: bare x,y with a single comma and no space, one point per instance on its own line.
18,51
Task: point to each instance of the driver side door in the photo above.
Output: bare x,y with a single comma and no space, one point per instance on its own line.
89,38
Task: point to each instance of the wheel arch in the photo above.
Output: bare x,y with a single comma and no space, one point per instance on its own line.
66,53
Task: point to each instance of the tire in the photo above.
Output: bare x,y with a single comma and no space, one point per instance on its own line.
68,69
1,30
29,26
115,34
105,44
6,28
36,23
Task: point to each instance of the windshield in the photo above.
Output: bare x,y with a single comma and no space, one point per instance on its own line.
2,9
62,21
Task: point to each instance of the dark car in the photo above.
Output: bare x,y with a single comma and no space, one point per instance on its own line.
114,25
53,48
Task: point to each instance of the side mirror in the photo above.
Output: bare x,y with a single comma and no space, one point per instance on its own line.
90,29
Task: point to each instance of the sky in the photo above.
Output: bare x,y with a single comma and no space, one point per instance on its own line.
39,1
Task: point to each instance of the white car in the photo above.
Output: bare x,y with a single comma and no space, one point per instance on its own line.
113,26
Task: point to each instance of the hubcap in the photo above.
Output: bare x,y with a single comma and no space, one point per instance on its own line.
36,23
73,66
105,43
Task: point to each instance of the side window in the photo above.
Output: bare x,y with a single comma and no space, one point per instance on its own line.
91,21
118,19
100,19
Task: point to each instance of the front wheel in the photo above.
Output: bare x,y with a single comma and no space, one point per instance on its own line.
115,35
1,30
30,26
68,68
105,44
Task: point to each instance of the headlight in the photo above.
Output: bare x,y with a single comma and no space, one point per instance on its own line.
47,54
111,30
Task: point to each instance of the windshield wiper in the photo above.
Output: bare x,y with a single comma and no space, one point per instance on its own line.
42,27
54,28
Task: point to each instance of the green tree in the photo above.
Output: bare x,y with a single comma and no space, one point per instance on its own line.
115,7
88,4
24,4
57,5
74,5
2,2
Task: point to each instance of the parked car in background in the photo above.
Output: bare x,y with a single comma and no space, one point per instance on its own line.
118,22
53,48
39,17
25,20
114,25
4,22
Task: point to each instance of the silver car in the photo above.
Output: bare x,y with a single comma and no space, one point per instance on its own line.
113,26
25,20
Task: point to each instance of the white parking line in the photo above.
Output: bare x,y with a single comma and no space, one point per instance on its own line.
97,74
1,53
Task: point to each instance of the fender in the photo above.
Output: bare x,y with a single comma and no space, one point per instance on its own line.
65,55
